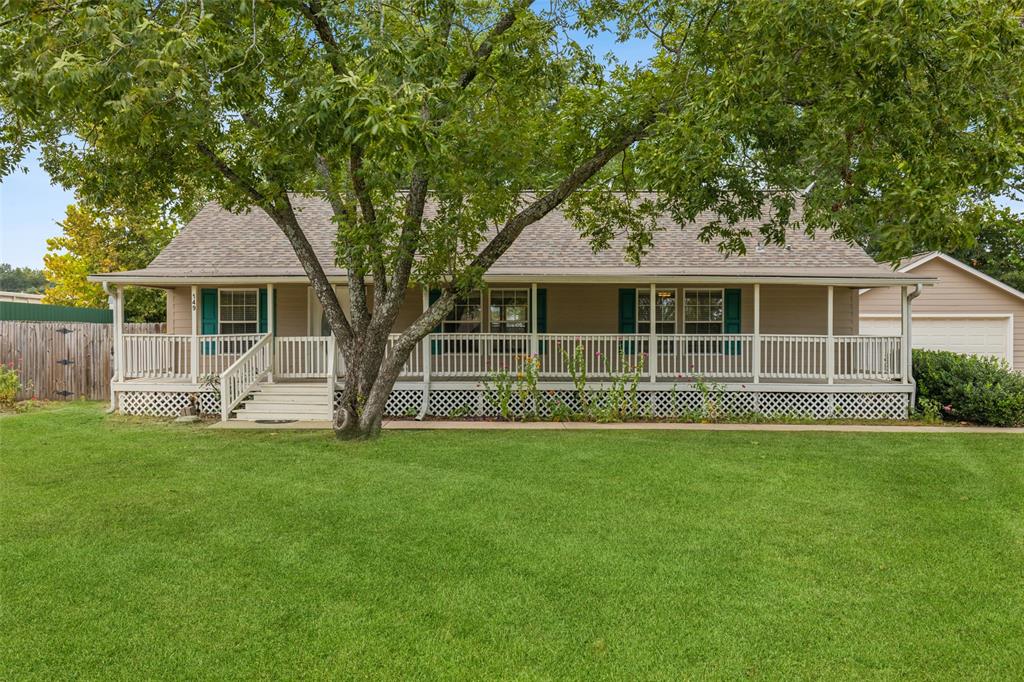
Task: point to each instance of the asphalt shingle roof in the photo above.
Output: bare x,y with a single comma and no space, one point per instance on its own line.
218,243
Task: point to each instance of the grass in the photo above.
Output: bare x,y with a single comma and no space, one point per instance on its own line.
137,549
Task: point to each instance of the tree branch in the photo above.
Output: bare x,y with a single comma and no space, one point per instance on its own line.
280,210
487,46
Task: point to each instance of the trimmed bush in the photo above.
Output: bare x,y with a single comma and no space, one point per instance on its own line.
979,390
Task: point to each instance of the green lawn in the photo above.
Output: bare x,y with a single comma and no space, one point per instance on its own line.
135,549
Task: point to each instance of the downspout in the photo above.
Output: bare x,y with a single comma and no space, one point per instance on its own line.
910,344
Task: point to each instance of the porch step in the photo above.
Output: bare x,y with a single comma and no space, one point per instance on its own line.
302,402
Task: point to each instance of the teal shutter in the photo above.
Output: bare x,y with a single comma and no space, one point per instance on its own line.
208,299
435,346
732,319
627,317
542,317
263,310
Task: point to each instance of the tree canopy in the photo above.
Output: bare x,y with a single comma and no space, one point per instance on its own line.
870,117
106,240
23,279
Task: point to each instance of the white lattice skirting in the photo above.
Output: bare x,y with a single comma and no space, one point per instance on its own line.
660,404
651,403
166,403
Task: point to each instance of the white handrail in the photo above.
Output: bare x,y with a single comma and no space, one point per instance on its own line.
238,380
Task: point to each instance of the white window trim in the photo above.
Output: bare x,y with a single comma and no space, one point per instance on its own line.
220,309
490,294
675,322
479,319
697,290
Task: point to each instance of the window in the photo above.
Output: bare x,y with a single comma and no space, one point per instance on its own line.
510,311
664,311
704,311
239,311
465,317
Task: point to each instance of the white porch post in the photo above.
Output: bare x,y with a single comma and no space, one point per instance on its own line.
652,337
119,360
425,349
534,338
112,303
904,335
756,360
270,330
830,345
194,369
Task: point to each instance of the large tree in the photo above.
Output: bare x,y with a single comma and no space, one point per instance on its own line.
106,239
882,113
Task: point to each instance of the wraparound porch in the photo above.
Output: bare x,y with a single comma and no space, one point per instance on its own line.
744,361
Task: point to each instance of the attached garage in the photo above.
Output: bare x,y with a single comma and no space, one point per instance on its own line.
966,312
982,335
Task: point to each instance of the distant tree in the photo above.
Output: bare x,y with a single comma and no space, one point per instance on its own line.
105,240
998,246
989,238
893,113
23,279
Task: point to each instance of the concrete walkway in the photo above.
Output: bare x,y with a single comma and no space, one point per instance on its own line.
410,425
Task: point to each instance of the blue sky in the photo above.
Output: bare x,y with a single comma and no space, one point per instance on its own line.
30,205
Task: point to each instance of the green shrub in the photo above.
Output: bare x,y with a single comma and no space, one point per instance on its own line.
980,390
10,384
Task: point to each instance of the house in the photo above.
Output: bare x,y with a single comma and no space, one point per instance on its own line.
20,297
775,331
966,312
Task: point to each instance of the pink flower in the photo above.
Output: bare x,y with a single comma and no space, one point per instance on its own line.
597,353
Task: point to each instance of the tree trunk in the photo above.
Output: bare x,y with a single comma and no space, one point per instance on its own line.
369,379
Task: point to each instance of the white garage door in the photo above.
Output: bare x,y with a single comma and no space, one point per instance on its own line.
972,336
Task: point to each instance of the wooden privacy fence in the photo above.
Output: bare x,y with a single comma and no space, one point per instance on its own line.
64,360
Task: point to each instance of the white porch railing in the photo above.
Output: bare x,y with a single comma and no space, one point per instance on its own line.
217,352
157,356
600,355
791,357
794,356
240,378
705,355
869,358
475,355
301,357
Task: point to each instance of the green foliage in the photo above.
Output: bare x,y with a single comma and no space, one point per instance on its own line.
96,240
22,279
896,112
979,390
998,246
10,384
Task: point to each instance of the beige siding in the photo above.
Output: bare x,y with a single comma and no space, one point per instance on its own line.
580,308
291,309
958,292
793,309
179,310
